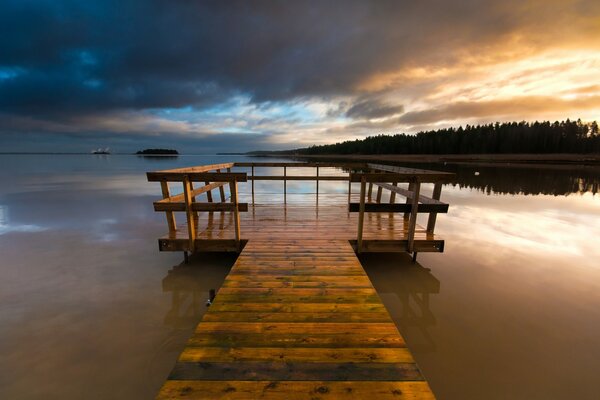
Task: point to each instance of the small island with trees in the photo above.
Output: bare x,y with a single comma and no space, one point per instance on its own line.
157,152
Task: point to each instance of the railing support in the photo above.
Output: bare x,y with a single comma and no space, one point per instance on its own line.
413,216
236,211
164,186
317,184
187,194
361,215
284,185
253,185
437,192
221,191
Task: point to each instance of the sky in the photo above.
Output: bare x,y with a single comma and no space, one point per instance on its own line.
219,76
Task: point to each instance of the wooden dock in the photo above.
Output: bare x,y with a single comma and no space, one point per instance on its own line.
297,317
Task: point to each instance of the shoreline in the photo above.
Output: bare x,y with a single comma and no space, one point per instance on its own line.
524,159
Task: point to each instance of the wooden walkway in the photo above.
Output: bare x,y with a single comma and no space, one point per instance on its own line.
296,319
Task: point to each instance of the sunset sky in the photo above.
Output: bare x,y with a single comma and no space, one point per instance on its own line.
241,76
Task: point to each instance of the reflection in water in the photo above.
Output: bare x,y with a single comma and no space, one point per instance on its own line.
405,289
190,284
559,180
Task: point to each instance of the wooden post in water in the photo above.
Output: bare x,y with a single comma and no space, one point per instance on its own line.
413,215
370,191
437,192
164,186
361,214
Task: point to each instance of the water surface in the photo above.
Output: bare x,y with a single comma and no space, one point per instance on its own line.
90,309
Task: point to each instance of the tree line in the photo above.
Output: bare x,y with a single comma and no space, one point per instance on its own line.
496,138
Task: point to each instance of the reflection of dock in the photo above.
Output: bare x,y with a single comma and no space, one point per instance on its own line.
405,288
297,315
189,285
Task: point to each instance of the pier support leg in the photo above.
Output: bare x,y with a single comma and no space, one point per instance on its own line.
186,257
414,257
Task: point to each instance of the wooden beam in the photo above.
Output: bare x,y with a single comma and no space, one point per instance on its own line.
424,174
302,164
296,178
413,217
393,194
195,192
199,168
197,207
397,177
361,215
196,176
398,208
164,186
437,192
236,211
187,192
221,191
409,194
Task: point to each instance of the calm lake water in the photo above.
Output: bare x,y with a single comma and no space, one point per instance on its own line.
90,309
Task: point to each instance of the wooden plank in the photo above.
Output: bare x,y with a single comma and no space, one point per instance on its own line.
181,206
196,176
297,178
385,177
296,371
276,390
398,208
293,354
423,174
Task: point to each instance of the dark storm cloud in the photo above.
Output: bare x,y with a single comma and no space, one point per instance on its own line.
370,109
91,55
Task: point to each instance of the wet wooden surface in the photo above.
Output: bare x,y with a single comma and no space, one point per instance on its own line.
296,319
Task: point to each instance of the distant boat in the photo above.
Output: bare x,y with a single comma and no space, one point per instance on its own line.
101,151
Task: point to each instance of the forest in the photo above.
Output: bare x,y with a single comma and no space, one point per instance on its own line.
497,138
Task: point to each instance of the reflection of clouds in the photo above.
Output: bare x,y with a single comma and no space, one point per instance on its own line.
542,224
7,227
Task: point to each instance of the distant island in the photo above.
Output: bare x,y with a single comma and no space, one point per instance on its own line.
157,152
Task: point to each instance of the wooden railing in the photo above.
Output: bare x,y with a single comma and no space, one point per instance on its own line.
220,176
388,177
212,177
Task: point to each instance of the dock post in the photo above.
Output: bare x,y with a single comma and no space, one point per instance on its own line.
164,186
414,257
186,257
187,195
252,184
413,216
284,185
437,192
221,191
317,184
349,187
361,215
236,212
393,194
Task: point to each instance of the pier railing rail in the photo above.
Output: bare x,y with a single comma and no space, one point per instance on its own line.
208,178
